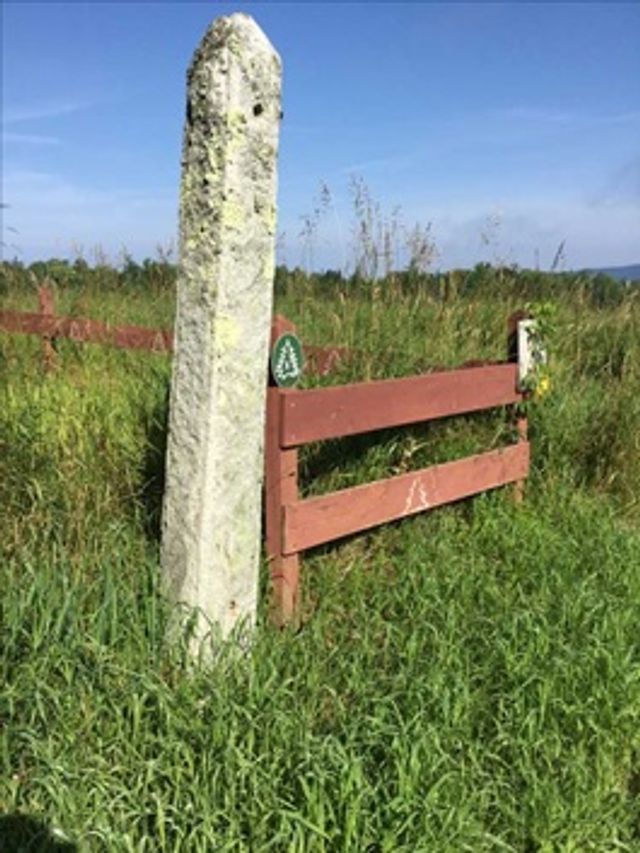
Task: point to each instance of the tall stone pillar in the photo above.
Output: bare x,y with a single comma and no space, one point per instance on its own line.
212,502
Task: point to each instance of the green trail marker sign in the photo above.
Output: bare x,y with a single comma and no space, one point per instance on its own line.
287,360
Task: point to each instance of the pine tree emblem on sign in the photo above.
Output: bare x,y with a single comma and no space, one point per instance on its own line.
287,360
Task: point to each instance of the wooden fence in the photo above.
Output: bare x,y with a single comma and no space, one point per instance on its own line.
298,417
49,326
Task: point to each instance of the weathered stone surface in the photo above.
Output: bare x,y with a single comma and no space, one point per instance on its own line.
212,502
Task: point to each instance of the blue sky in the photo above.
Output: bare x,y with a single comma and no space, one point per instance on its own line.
509,127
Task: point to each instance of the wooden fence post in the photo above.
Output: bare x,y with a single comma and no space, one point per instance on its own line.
520,417
46,306
281,488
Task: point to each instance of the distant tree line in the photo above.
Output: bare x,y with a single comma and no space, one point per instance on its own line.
599,289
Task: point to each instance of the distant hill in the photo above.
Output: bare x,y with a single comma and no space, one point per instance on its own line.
628,273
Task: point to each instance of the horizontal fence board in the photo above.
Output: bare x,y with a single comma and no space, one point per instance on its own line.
322,519
321,413
82,330
321,360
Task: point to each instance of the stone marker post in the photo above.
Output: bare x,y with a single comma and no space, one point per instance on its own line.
212,502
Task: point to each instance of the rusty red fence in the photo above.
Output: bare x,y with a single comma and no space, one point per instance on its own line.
49,326
46,324
298,417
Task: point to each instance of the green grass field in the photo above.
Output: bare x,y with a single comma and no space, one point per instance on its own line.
467,680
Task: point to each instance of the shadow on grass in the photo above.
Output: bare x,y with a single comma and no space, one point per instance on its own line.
24,834
153,469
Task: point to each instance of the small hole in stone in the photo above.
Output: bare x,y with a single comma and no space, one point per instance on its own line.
232,605
258,109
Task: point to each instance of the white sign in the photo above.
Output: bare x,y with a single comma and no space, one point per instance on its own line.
531,353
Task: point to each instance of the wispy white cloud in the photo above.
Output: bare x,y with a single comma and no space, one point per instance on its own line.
543,115
29,139
535,228
53,214
36,112
621,188
522,231
392,163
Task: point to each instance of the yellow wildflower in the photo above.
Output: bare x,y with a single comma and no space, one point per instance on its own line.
543,387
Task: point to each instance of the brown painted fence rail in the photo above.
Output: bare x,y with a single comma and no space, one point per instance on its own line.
298,417
83,330
49,326
322,519
322,413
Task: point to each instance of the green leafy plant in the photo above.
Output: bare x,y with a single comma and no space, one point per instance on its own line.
538,382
